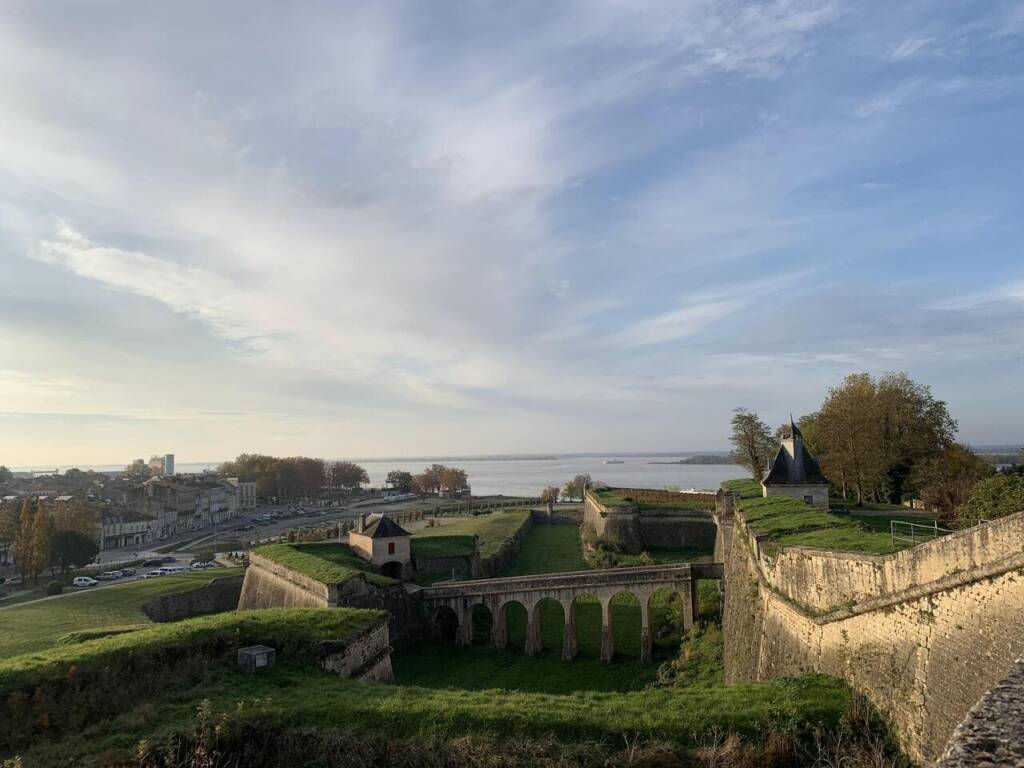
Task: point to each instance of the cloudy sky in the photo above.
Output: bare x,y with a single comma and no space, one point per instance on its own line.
476,227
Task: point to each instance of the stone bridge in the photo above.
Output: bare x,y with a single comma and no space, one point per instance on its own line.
458,598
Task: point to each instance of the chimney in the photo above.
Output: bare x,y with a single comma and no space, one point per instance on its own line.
362,522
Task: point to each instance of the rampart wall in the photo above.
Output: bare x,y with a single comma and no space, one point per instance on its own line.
924,633
634,528
218,596
270,585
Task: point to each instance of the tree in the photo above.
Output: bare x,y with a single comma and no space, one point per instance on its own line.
550,495
71,549
870,434
993,497
454,479
347,475
6,475
752,441
31,545
8,530
574,488
946,481
399,480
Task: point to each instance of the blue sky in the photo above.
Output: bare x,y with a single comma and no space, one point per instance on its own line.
427,228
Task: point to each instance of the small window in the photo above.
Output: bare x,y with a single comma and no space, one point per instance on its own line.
391,547
809,500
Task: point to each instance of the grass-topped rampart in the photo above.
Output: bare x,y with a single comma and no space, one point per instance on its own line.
62,689
325,561
494,530
782,521
652,499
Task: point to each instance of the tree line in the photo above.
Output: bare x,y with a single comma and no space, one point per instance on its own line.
432,480
297,477
885,439
41,536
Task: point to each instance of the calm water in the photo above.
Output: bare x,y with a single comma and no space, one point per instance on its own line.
527,477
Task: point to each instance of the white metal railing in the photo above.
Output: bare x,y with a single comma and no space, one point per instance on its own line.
915,533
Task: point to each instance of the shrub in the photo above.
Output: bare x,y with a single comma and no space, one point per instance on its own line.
992,498
54,588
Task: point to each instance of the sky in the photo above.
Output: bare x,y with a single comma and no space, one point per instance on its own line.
426,228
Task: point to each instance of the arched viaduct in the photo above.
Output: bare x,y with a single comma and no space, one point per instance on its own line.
497,594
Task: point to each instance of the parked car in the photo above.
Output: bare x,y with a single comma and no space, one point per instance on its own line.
14,581
83,581
152,574
200,566
128,571
109,575
155,561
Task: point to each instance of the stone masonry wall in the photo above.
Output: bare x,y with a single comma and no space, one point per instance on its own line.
923,655
634,530
993,733
271,585
218,596
366,657
821,580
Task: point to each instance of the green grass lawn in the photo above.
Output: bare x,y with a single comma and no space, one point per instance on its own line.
493,529
791,522
292,693
549,549
37,626
747,487
326,561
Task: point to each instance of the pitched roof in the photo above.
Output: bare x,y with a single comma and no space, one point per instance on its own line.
384,528
801,469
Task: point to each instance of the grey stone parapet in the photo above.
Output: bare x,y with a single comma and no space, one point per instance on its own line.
992,734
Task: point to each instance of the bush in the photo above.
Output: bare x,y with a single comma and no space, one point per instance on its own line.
993,497
54,588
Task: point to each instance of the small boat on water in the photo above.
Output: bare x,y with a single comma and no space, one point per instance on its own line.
614,461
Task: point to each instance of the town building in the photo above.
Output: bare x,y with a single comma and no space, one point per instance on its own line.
161,466
794,472
122,527
384,544
245,492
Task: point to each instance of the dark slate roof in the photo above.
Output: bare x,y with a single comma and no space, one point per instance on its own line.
384,528
803,469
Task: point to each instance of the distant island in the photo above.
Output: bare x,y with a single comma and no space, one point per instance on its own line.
701,458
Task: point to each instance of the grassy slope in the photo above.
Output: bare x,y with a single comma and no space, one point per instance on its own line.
292,694
493,529
326,561
297,629
37,626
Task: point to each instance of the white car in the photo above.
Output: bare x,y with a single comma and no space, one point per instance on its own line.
83,581
152,574
202,566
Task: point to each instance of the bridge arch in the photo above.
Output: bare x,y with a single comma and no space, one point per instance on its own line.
514,616
444,623
482,618
585,618
549,620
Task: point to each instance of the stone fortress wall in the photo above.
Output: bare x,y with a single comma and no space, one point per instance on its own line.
219,595
924,632
634,529
271,585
